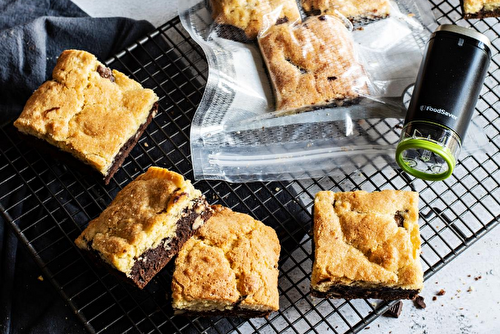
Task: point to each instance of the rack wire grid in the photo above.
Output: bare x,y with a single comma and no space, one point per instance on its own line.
48,205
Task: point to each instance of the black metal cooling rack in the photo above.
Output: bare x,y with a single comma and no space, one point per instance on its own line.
48,204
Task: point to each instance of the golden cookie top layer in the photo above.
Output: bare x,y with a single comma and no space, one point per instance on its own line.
232,258
367,238
142,214
312,63
474,6
251,15
352,9
86,109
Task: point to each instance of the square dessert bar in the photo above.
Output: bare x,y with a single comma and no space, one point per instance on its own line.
478,9
367,245
357,11
229,268
313,64
89,111
242,20
145,225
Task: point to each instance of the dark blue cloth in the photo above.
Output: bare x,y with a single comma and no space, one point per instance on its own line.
32,35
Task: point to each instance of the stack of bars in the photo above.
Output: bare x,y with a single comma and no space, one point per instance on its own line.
311,64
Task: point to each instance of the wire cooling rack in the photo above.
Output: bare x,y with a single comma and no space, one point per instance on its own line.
48,204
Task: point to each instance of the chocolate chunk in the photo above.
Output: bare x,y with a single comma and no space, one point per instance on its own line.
395,310
419,302
441,292
106,73
228,31
322,18
332,78
399,219
313,12
282,20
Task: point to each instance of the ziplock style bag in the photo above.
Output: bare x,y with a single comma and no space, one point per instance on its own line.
244,131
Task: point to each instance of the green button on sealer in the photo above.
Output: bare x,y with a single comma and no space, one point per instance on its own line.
424,145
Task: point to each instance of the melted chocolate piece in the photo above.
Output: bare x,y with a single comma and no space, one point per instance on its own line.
313,12
282,20
399,219
106,73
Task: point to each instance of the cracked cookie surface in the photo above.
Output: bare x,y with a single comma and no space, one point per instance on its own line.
229,267
367,241
159,209
87,109
312,64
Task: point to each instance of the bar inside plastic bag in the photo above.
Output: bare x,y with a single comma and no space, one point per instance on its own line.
237,133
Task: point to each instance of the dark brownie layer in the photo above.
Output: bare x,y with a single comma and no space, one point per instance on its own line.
352,292
153,260
73,162
481,14
129,145
228,31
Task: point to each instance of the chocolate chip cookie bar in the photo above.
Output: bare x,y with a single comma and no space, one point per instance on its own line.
313,64
242,20
229,268
367,245
145,225
89,111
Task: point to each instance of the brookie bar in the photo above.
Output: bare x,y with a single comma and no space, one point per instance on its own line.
242,20
367,245
478,9
229,268
145,225
313,64
89,111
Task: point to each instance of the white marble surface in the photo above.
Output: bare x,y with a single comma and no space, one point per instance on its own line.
471,303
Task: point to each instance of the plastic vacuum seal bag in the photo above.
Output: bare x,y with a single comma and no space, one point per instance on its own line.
239,132
312,64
